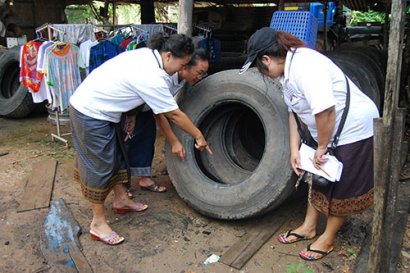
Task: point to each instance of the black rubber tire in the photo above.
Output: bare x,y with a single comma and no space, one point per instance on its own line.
359,73
373,59
15,100
245,121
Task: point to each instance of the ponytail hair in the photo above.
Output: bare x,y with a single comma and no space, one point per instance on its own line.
179,45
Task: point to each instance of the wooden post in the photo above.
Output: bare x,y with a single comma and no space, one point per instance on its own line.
114,13
326,8
381,172
186,8
388,138
147,12
281,5
394,60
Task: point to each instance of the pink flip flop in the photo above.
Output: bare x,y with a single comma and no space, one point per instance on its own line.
111,239
283,237
306,257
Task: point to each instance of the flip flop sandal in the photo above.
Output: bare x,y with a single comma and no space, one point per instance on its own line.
111,239
137,208
154,188
284,235
312,258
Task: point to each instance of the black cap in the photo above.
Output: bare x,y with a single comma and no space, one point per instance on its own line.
259,41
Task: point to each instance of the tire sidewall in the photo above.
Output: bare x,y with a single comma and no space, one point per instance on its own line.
269,182
21,103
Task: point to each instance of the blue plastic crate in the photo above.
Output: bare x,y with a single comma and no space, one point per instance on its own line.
302,24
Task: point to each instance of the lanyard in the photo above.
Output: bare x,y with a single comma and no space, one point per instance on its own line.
159,64
291,59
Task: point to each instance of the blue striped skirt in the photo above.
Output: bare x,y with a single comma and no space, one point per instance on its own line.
97,148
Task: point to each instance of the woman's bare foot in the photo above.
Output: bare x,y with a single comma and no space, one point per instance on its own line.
122,203
100,227
319,249
299,234
146,183
101,231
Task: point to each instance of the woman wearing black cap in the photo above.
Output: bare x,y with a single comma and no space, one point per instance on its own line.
315,89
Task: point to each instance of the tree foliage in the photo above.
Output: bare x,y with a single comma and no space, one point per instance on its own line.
125,13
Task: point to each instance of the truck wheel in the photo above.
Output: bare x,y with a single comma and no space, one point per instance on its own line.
15,100
245,121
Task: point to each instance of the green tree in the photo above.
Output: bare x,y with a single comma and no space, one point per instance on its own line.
128,14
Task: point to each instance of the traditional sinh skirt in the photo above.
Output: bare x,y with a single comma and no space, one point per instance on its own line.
97,147
354,192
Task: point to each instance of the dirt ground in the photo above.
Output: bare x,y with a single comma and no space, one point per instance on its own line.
168,237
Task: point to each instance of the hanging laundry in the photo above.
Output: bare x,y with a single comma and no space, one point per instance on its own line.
74,33
44,92
103,52
85,49
63,73
29,76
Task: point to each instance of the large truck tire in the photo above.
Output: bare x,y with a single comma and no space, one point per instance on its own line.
15,100
245,121
360,73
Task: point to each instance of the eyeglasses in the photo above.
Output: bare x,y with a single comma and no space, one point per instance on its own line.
201,75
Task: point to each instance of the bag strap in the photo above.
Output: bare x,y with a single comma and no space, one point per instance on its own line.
341,124
344,116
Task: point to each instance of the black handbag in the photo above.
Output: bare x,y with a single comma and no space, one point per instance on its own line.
306,138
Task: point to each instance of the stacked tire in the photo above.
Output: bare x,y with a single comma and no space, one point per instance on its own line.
245,121
15,100
366,67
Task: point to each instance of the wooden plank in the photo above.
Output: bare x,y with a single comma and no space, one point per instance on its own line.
382,160
400,223
59,240
394,61
39,187
81,263
386,193
248,245
383,191
389,234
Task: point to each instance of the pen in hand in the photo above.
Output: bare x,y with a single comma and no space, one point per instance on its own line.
318,166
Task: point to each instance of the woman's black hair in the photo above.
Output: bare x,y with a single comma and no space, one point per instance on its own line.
284,43
179,45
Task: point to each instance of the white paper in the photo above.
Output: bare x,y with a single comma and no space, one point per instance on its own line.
211,259
333,166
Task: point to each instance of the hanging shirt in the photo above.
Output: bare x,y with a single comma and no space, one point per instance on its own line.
44,93
74,33
124,83
63,73
117,39
125,43
42,53
29,76
102,52
85,49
